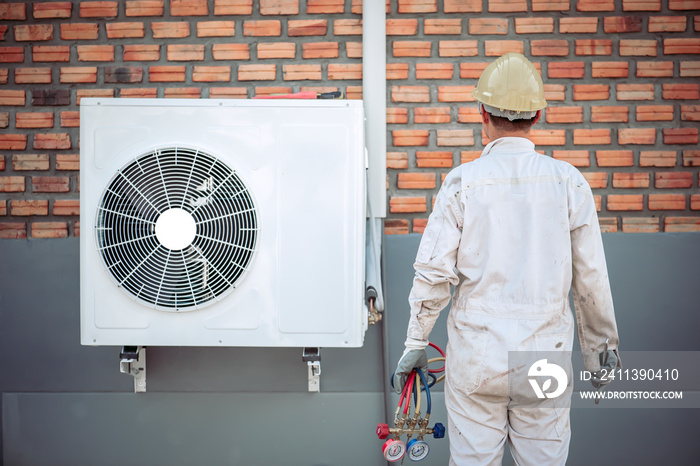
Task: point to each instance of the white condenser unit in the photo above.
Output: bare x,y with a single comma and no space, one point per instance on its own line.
222,222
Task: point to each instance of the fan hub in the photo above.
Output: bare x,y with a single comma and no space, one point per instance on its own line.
175,229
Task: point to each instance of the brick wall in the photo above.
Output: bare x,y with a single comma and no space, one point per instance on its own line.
621,78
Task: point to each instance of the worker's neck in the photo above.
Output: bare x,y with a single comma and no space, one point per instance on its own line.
495,134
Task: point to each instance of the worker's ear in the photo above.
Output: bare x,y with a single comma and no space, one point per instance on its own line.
537,116
484,114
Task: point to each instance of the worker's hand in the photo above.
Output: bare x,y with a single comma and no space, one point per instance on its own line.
411,358
608,363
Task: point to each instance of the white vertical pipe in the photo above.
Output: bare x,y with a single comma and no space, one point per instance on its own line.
374,96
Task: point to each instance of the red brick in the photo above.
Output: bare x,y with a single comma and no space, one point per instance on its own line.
13,12
417,6
182,93
467,156
50,184
279,7
211,74
681,46
595,5
434,70
231,52
325,6
673,180
408,204
352,49
228,93
431,115
104,93
123,74
262,28
95,53
455,94
638,48
410,137
607,224
257,72
78,74
591,92
317,50
141,52
23,208
458,48
161,74
233,7
682,4
488,26
67,162
496,48
630,180
641,5
13,230
571,69
49,230
614,158
680,91
690,112
613,69
353,92
416,181
636,136
141,93
11,54
397,160
36,162
577,158
681,224
286,49
667,201
596,180
392,226
655,158
396,115
401,27
70,119
554,92
550,5
507,6
640,225
462,6
98,9
185,52
411,48
654,69
170,30
443,26
51,10
455,137
4,123
622,24
350,27
635,91
625,202
79,31
680,135
468,115
667,24
144,8
564,115
216,29
695,202
690,69
189,7
34,120
307,27
11,184
396,71
301,72
125,30
548,137
338,71
655,113
534,25
419,225
578,25
50,53
549,47
410,94
433,159
13,141
33,32
593,47
609,114
52,141
591,136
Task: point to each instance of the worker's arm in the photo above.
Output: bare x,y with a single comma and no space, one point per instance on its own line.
436,262
593,302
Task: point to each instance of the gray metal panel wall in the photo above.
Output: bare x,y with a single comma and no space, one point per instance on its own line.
67,404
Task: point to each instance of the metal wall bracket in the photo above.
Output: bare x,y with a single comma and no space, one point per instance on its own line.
133,362
312,356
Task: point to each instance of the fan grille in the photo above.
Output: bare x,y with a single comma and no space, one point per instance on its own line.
185,274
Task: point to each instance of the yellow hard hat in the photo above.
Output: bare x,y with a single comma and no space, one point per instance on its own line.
511,82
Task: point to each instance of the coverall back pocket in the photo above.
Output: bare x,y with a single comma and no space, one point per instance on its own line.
466,355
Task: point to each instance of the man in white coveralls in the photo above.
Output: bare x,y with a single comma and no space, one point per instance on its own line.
513,232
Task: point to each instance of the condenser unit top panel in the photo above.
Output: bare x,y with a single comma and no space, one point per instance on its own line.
222,222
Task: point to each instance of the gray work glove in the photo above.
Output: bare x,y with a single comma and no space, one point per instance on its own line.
411,358
608,363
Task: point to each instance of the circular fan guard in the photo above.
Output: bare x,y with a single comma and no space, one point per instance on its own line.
208,266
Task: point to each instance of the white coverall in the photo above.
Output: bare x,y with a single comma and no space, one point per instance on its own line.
512,231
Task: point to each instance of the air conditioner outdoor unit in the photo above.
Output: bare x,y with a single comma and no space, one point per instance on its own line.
222,222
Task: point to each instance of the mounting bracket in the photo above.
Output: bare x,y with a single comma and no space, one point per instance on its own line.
312,356
133,362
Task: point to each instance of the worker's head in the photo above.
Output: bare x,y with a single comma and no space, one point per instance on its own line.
510,94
